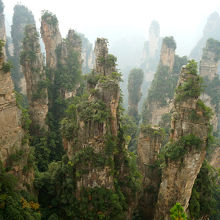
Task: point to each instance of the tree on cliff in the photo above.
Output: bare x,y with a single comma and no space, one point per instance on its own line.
177,212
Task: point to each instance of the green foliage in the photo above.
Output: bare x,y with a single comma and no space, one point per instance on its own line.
213,46
11,206
170,42
22,17
135,80
192,86
203,199
108,62
49,18
177,212
7,67
177,150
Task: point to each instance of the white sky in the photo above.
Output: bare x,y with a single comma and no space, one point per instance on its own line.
115,19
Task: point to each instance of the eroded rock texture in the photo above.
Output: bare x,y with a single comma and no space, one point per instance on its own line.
22,17
160,95
149,145
33,68
14,149
190,121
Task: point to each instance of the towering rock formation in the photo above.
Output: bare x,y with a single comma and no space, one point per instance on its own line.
160,94
14,149
209,72
2,26
94,141
22,17
88,56
149,145
32,62
211,30
185,152
51,37
151,52
135,80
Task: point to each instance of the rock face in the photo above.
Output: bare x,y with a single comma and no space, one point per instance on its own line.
161,91
51,37
211,30
14,150
22,17
189,128
135,80
151,53
209,71
33,68
2,26
88,55
149,145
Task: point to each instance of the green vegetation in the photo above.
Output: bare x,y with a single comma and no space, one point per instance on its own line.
213,46
177,212
163,87
22,17
14,204
177,150
170,42
135,80
49,18
205,194
192,86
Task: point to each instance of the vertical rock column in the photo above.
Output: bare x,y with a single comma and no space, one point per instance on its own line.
33,68
186,151
149,145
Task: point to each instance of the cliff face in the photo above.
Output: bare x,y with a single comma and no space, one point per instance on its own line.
209,71
161,91
211,30
14,149
51,37
33,68
149,145
2,26
135,80
186,151
151,52
22,17
88,55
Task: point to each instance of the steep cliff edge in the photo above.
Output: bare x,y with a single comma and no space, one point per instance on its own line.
33,68
185,152
14,149
211,30
161,91
149,145
21,17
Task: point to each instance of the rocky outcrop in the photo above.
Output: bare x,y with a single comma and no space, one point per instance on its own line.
2,26
87,55
186,151
135,80
161,91
149,145
151,53
51,37
215,158
22,17
209,72
32,62
14,149
211,30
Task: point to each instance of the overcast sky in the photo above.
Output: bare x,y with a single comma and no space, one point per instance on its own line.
115,19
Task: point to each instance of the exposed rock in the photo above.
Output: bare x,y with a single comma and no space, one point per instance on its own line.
161,91
22,17
88,55
211,30
215,158
32,62
12,136
2,26
51,37
179,174
134,92
151,53
149,144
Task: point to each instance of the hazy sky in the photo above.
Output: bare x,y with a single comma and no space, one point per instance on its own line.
115,19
